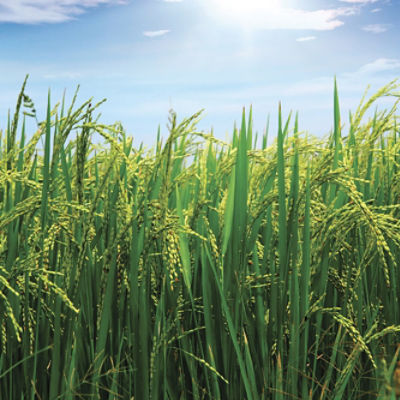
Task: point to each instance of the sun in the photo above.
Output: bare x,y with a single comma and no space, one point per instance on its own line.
244,12
245,6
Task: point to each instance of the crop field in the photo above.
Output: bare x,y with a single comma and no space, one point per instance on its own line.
200,269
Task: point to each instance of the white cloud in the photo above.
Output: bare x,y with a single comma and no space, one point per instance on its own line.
359,1
271,15
319,20
152,34
380,65
376,28
305,38
375,10
377,72
46,11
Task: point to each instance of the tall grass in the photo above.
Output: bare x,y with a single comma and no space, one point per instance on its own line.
199,269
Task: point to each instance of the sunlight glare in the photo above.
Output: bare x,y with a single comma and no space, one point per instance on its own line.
243,12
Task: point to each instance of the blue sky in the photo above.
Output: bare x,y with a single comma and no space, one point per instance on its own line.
147,56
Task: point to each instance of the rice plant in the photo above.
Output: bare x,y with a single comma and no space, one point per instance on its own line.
199,269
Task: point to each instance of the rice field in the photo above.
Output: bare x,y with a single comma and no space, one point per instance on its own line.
200,269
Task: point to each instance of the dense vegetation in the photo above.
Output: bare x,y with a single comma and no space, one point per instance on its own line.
199,269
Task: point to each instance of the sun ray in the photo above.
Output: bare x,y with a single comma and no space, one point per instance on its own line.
243,12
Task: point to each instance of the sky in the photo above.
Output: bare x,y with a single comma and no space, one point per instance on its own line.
149,56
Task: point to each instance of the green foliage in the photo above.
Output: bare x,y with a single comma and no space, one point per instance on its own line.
199,269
